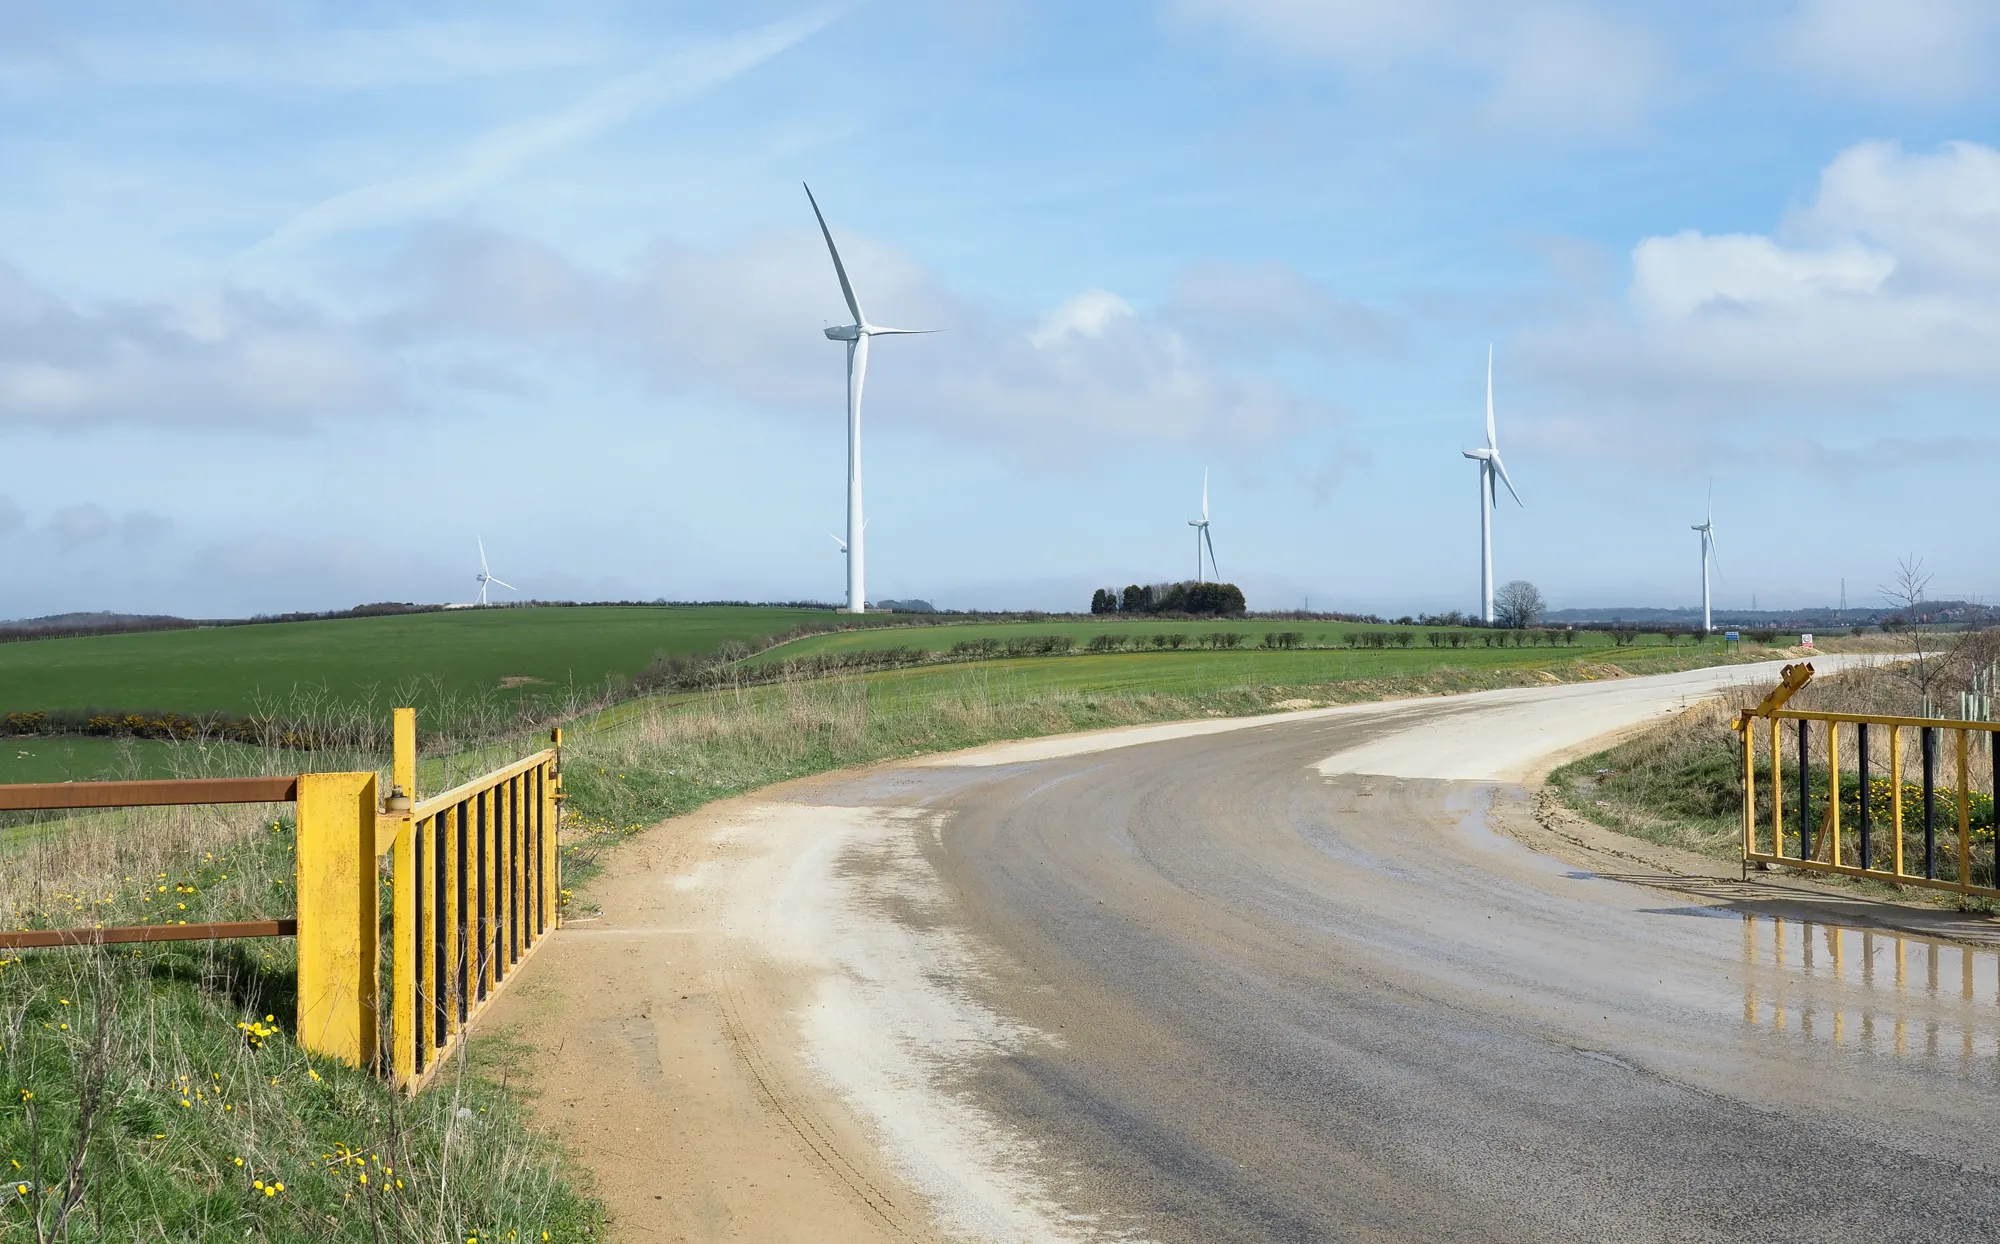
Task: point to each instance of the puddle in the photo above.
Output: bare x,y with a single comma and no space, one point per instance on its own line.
1883,991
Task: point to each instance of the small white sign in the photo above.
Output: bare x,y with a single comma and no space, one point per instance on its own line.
1805,641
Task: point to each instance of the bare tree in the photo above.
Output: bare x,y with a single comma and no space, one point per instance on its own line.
1518,604
1934,653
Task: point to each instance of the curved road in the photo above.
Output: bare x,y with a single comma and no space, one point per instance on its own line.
1289,982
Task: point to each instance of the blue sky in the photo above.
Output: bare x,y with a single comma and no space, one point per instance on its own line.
297,302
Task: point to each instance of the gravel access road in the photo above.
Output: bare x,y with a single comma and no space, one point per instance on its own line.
1294,980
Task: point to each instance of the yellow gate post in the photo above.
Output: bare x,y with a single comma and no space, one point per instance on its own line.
338,955
404,944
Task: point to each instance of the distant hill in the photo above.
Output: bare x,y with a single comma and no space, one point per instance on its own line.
1953,612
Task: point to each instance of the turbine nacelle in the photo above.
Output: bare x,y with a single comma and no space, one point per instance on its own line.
845,332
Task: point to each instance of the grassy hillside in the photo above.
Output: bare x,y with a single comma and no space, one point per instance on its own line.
240,669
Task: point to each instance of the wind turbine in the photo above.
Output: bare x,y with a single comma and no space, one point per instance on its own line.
485,576
1201,535
856,336
1707,529
1489,498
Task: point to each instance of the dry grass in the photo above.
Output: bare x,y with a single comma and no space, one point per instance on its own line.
1679,784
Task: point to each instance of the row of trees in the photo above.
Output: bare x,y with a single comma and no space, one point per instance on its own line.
1222,600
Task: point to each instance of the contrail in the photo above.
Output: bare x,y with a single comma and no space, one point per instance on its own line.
504,151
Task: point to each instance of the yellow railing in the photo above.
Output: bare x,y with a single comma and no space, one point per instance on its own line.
475,881
1944,836
474,878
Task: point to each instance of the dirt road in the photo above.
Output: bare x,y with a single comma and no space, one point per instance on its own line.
1278,981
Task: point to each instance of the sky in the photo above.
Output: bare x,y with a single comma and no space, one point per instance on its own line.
299,303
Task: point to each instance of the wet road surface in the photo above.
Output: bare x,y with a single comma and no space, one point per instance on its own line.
1282,1003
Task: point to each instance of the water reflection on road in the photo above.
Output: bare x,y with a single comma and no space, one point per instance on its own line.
1875,991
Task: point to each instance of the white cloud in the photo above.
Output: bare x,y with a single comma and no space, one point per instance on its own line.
1675,279
679,75
1086,315
743,323
1888,280
1550,68
226,356
1920,51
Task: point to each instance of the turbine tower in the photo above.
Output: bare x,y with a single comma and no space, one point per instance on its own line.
1489,498
485,576
1707,529
1201,535
856,336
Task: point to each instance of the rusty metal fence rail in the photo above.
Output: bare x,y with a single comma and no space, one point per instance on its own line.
1863,821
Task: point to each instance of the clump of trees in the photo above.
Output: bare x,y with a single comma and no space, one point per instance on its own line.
1220,600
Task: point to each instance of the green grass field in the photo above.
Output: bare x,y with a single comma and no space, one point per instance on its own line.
1317,634
241,669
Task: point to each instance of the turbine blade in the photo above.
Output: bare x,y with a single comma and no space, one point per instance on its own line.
1714,553
503,583
1210,541
837,540
1502,468
840,270
1491,443
873,331
482,555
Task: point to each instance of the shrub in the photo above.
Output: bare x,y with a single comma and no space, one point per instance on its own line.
1176,639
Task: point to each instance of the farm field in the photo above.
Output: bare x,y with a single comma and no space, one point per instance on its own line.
507,653
1201,672
1191,672
941,638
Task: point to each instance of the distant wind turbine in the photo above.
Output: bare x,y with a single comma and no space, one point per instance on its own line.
485,576
1489,465
856,336
1707,529
1201,535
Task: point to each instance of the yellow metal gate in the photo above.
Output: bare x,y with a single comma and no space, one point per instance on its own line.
1921,832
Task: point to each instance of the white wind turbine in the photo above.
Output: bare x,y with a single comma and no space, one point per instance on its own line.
1707,529
1489,498
1201,535
856,336
485,576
